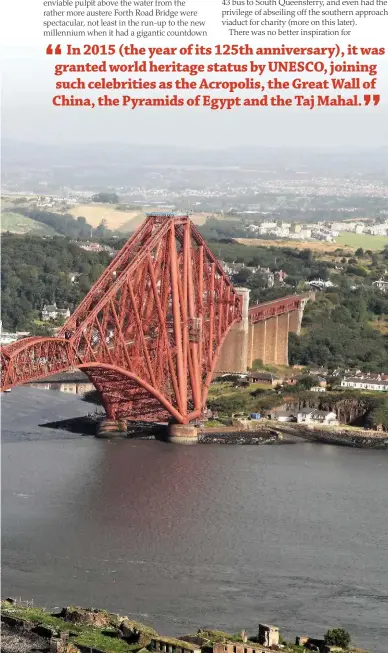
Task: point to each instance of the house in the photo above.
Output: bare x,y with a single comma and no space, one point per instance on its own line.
284,416
381,284
236,647
74,276
322,383
6,338
52,312
266,378
320,284
171,645
314,416
268,635
280,276
365,383
317,388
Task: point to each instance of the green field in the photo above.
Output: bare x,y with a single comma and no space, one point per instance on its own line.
19,224
366,241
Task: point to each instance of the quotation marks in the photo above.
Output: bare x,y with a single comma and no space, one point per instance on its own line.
51,50
371,98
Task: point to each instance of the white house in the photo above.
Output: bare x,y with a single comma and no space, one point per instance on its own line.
285,416
314,416
52,312
363,383
381,284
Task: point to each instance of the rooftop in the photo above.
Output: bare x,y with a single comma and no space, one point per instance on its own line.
363,379
176,642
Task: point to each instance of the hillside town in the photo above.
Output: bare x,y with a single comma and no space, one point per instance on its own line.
320,231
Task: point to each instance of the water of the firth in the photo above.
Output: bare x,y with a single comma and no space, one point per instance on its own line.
183,537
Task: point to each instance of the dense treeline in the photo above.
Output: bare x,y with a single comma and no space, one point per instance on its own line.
338,331
35,271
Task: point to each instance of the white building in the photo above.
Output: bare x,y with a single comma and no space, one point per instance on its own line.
381,284
363,383
52,312
319,283
7,338
314,416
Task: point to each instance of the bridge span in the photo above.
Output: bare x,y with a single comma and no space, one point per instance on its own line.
159,323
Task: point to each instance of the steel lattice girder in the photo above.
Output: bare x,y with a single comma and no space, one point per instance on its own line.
149,331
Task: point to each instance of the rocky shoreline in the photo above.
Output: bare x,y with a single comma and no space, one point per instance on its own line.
248,433
295,434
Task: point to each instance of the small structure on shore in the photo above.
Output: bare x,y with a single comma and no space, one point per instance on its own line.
268,635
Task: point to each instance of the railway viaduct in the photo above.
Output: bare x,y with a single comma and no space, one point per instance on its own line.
262,333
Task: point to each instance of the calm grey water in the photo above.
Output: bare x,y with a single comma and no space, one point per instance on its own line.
184,537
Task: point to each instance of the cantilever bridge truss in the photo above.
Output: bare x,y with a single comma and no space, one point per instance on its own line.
148,333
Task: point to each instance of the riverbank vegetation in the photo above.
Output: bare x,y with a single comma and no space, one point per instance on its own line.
76,629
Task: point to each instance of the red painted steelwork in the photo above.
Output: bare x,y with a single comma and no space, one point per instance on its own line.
276,307
148,333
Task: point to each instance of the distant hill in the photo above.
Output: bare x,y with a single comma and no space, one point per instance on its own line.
119,220
19,224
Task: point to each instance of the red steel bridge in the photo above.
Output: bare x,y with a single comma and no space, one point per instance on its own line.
150,331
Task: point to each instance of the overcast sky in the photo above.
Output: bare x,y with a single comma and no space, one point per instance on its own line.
28,86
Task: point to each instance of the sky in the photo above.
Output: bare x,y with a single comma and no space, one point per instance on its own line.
28,87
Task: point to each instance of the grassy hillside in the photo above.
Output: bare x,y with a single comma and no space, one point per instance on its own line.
19,224
116,220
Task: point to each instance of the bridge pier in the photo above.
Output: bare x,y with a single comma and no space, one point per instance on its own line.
110,428
235,350
182,434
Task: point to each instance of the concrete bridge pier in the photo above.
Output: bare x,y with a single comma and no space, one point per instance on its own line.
182,434
268,340
111,428
235,350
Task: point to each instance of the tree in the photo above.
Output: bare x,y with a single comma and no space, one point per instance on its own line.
102,230
229,404
359,252
307,381
106,198
242,276
337,637
379,415
41,330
